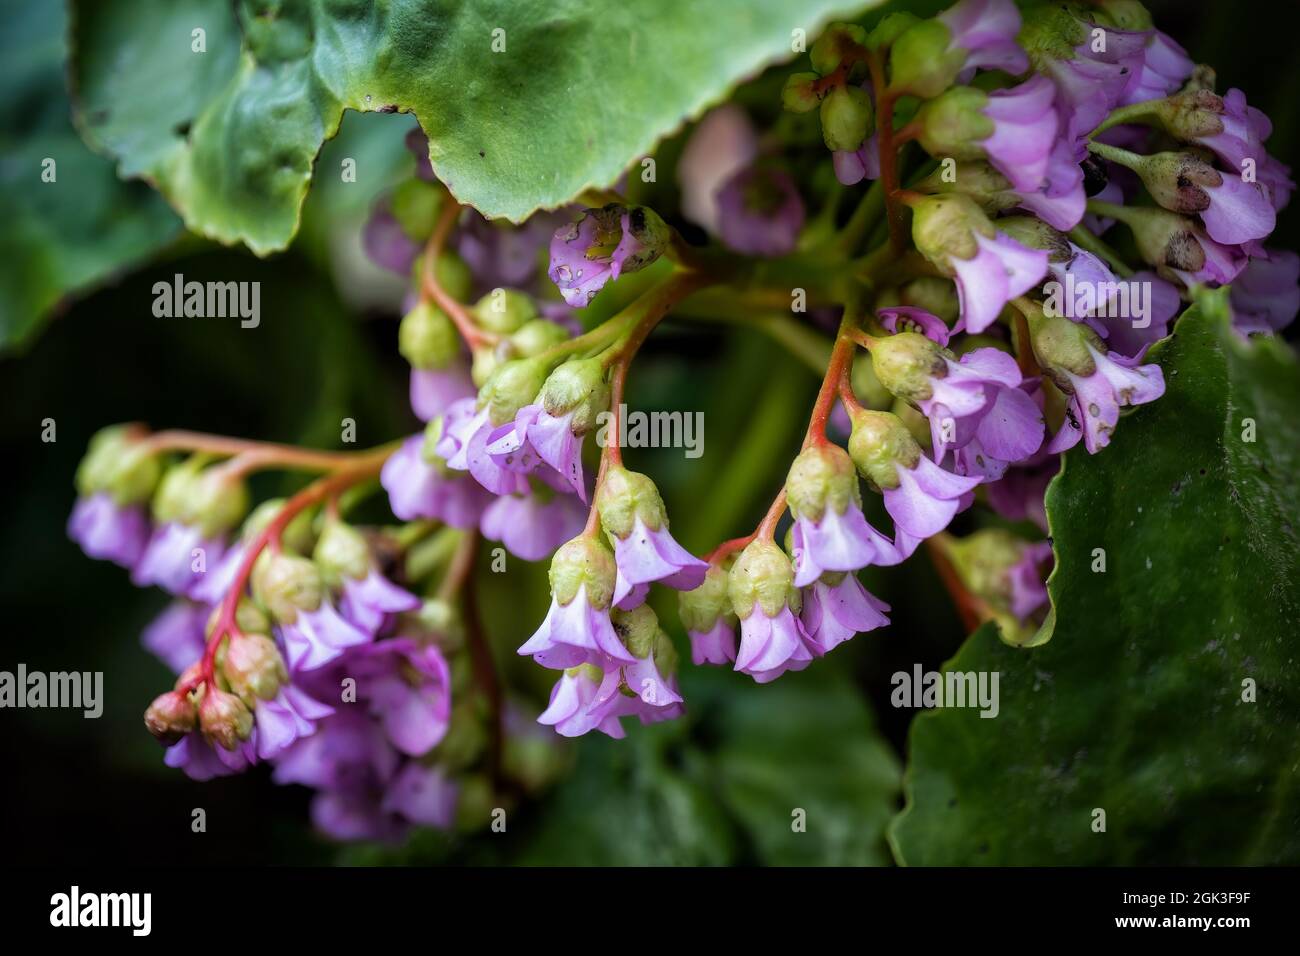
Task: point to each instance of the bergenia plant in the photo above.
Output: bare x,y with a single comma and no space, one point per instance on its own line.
974,228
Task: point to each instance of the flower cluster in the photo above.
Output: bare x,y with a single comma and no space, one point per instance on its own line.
1040,195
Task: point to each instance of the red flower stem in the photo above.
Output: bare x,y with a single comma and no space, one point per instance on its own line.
365,467
431,289
250,454
888,150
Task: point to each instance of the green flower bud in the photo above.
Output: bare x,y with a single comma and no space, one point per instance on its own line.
443,621
285,584
117,463
1165,239
905,362
427,338
1190,115
984,561
1033,233
799,95
504,311
880,442
249,618
577,386
341,552
846,117
1061,345
224,719
937,296
865,384
762,575
170,717
217,501
511,386
890,29
943,227
952,124
452,274
297,535
1177,181
623,497
637,628
700,609
253,667
974,178
428,449
583,561
920,62
486,359
821,477
837,42
917,424
415,205
537,336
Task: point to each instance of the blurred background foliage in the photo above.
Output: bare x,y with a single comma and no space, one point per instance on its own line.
717,787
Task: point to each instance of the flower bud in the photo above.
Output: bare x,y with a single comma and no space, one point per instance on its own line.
937,296
504,311
451,272
1177,181
427,338
342,552
1165,238
116,462
904,363
577,386
920,61
821,477
511,386
763,575
846,117
865,384
297,534
217,501
253,667
170,717
583,561
248,618
623,497
880,442
799,95
700,609
942,227
224,719
415,205
1061,345
1189,115
1033,233
839,41
952,124
637,628
890,29
484,361
536,337
977,179
285,584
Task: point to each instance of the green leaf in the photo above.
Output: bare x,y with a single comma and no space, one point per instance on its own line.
1136,707
63,235
625,806
579,92
806,743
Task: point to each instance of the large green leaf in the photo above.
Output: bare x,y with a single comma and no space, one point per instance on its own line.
801,767
580,90
1136,705
84,224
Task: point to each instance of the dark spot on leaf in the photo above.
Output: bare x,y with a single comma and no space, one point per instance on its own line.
481,154
182,129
